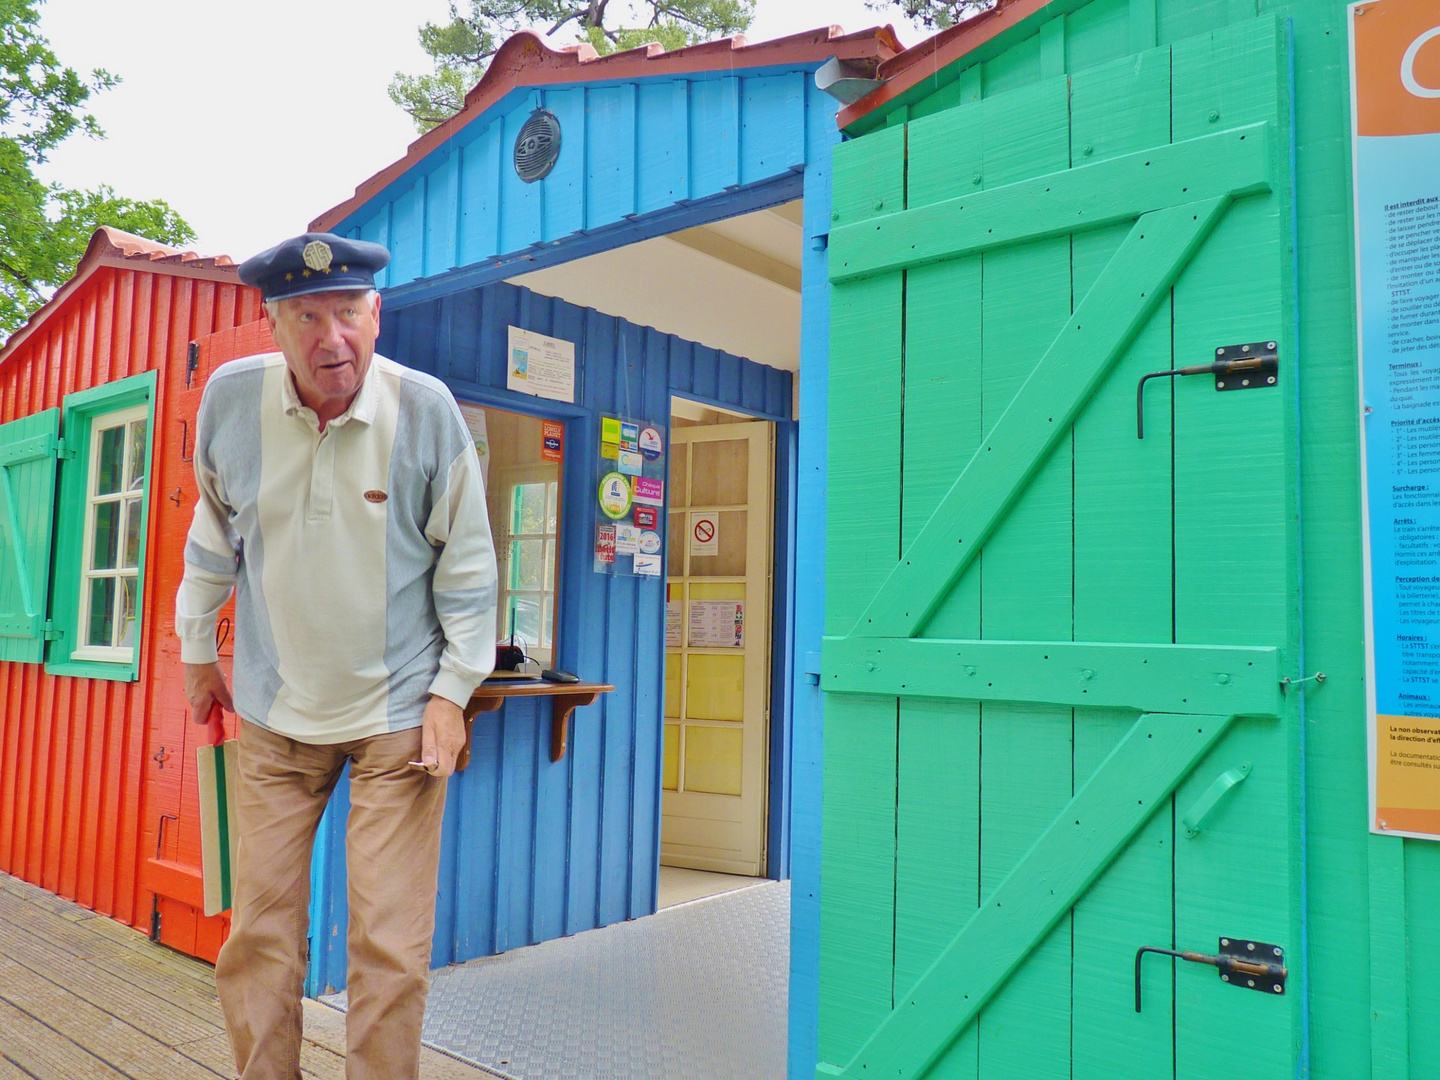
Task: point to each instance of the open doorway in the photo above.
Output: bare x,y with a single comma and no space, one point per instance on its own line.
733,285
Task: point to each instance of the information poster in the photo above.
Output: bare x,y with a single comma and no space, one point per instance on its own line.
540,365
717,624
674,628
631,497
1395,76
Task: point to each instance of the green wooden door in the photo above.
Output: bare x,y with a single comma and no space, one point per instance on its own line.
1050,643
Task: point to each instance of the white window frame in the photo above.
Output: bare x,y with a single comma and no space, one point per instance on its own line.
506,480
99,424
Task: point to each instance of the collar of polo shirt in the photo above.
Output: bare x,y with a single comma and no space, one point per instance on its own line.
362,407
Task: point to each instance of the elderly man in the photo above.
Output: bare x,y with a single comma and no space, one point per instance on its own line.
341,498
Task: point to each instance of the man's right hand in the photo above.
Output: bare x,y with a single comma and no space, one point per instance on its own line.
204,687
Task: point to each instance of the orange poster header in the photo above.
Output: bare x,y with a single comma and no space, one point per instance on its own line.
1397,67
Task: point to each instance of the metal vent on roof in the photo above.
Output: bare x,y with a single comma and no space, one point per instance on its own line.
537,146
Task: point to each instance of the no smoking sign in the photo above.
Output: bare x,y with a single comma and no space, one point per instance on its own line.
704,534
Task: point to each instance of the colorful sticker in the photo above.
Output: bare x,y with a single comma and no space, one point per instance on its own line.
614,495
651,444
646,517
630,462
629,436
627,539
647,565
610,430
649,491
649,542
552,434
604,546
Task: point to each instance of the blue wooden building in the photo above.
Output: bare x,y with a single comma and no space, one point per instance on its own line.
677,243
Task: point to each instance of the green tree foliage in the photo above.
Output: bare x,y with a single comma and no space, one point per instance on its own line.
932,14
44,227
462,48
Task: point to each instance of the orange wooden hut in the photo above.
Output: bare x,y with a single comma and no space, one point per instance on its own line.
95,500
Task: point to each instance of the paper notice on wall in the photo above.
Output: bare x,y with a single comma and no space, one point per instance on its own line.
475,420
704,534
717,624
540,365
1396,153
674,628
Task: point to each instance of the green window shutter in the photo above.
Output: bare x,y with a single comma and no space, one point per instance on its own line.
81,410
28,453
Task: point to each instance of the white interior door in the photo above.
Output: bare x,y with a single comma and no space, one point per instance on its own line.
717,657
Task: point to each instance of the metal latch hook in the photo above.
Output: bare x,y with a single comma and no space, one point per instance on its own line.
1257,358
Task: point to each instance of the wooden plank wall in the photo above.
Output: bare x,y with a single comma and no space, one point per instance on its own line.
534,850
1373,935
75,753
628,149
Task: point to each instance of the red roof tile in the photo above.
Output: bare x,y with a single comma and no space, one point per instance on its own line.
524,60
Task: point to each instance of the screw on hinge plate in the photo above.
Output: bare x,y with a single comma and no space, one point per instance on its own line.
1287,682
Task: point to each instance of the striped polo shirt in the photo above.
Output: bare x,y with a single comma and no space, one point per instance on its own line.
360,556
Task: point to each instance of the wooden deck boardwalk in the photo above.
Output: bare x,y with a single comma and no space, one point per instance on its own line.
84,998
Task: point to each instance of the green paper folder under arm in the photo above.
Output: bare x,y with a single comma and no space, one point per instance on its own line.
218,773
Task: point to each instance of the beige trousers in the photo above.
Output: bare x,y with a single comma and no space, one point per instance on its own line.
392,851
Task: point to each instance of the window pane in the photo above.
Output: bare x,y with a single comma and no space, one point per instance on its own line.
527,564
550,565
547,623
112,458
553,513
529,509
127,613
106,538
136,479
132,532
525,619
102,612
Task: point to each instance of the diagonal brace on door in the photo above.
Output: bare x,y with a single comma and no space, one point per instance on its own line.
1134,781
1132,285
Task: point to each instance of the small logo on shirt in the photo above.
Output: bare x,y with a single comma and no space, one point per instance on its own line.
376,496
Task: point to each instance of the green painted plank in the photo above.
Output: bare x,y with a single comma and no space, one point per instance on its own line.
1214,164
1389,997
1099,33
1236,576
1103,326
1124,675
1129,787
1422,887
1142,25
937,831
1052,48
863,533
1025,750
1123,574
27,515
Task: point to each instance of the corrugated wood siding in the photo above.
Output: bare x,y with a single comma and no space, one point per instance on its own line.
534,850
74,753
627,149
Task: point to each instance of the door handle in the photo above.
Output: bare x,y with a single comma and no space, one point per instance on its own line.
1204,805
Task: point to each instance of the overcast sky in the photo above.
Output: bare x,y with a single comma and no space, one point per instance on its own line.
250,119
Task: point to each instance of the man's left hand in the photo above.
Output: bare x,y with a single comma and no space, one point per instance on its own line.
443,736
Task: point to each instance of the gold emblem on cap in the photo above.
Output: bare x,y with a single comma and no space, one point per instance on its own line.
318,255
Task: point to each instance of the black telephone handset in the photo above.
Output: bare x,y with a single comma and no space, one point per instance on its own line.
550,675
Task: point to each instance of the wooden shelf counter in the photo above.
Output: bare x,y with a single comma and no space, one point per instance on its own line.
565,698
